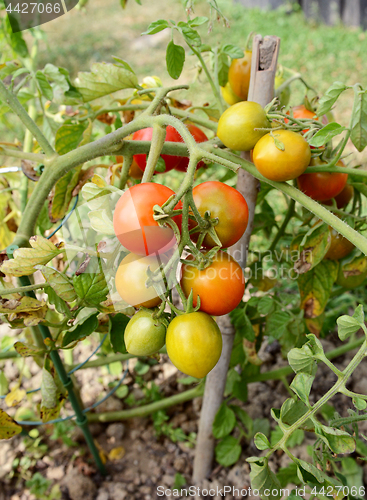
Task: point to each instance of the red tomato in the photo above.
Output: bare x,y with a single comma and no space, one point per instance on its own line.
220,286
322,186
343,198
146,135
199,136
133,220
228,205
301,113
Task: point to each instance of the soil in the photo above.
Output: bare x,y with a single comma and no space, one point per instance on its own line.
139,460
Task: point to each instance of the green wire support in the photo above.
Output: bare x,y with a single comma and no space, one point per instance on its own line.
66,381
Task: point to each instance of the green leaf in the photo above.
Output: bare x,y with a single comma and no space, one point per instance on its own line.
312,248
347,325
242,324
265,305
91,288
243,417
17,42
301,385
104,79
86,327
175,60
43,85
359,315
261,441
352,472
338,441
330,97
276,324
8,427
68,137
198,21
25,259
232,51
223,67
117,325
156,27
358,127
308,472
191,36
48,389
295,439
228,451
287,475
63,193
325,134
292,410
224,421
262,478
315,287
60,304
302,360
59,282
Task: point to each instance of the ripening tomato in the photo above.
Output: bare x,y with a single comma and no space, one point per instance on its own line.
343,198
146,135
194,343
322,186
144,335
302,113
220,286
131,277
225,203
282,155
228,95
339,247
239,75
236,126
199,136
133,220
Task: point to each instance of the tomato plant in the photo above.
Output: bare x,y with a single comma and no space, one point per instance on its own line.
199,136
170,161
220,286
225,204
242,125
282,155
133,220
144,335
322,186
131,277
194,343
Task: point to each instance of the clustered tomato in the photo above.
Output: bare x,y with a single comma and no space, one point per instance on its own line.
339,247
239,75
144,335
220,286
322,186
133,220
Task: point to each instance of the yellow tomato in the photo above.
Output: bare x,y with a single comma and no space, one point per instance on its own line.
144,335
228,95
282,155
236,126
194,343
239,75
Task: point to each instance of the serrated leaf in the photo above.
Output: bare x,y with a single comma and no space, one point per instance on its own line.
261,441
25,259
104,79
232,51
228,451
276,324
358,126
91,287
325,134
21,305
315,287
302,384
68,137
265,305
44,86
262,478
117,325
27,350
8,427
175,60
60,304
15,396
156,27
338,441
83,329
242,324
59,282
224,421
330,97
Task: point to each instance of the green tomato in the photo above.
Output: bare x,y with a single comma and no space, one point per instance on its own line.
144,335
